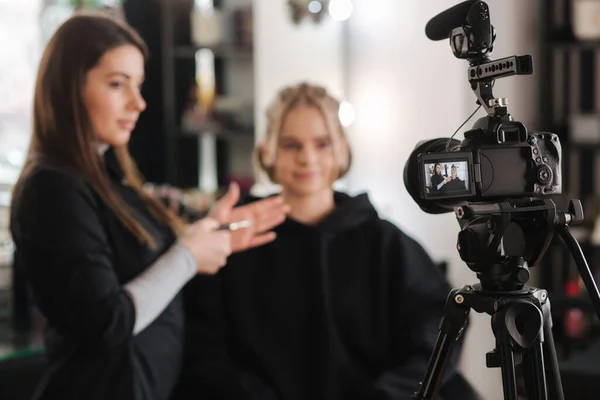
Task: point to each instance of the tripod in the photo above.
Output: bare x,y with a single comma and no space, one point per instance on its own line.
521,319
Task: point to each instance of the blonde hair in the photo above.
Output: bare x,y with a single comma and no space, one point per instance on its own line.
303,94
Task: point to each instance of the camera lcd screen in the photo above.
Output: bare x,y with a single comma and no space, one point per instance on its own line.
446,176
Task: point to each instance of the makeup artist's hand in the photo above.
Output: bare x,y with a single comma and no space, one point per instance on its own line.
209,246
265,215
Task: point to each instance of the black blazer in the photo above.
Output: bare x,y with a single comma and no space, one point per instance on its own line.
77,255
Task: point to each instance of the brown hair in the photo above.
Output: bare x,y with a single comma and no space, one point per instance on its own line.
303,94
62,132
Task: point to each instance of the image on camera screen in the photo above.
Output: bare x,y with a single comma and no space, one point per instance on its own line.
447,177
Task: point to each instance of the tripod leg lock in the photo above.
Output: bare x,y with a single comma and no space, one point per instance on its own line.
456,313
493,359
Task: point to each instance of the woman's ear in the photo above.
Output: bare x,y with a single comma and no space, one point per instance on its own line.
264,154
266,160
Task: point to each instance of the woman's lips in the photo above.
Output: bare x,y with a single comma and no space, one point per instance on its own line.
127,125
306,175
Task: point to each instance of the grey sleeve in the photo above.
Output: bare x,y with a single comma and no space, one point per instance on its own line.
152,290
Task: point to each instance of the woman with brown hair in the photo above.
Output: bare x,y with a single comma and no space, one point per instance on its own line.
105,260
342,305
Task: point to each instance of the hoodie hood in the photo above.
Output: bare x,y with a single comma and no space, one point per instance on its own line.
349,213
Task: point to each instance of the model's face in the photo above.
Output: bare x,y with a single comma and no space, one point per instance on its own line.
453,173
305,163
438,169
112,94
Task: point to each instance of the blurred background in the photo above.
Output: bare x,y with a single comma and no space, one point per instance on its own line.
215,65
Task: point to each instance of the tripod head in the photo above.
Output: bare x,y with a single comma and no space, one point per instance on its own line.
501,241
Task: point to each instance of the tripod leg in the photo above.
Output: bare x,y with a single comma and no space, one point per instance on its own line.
451,327
535,373
507,364
555,389
504,346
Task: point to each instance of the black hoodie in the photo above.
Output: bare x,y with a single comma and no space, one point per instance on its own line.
346,309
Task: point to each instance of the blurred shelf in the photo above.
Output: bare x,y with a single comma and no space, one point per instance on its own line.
229,51
225,133
233,64
560,302
573,44
582,146
567,70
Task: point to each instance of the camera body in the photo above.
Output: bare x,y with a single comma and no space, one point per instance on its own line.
507,162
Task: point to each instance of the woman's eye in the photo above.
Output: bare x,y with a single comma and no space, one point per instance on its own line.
115,84
323,145
290,146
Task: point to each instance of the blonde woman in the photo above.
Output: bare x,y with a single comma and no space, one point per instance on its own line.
342,305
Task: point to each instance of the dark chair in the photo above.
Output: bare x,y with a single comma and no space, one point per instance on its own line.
19,376
581,375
